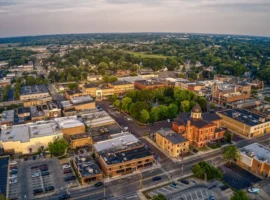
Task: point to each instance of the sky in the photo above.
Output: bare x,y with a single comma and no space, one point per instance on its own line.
39,17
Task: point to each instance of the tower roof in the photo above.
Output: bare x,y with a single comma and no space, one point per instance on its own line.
196,109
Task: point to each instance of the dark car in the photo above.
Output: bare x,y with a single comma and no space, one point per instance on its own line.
156,178
35,167
43,168
37,191
13,167
70,178
224,187
46,173
67,171
64,196
13,171
49,188
98,184
184,181
43,165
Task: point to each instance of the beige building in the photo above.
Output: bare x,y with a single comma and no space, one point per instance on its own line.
244,122
175,144
255,158
121,87
34,92
28,138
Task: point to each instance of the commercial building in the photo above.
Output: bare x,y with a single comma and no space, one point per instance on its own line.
4,176
39,101
199,128
80,140
175,144
34,92
51,110
248,103
263,110
22,115
37,113
122,155
70,125
226,93
244,122
102,133
123,72
4,82
90,89
73,93
120,87
255,158
94,78
7,117
87,170
28,138
83,103
98,118
68,109
103,91
148,84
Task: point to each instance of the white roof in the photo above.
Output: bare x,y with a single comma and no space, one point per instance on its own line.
258,152
122,140
68,122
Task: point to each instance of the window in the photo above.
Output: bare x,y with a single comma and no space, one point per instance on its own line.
127,165
147,160
139,162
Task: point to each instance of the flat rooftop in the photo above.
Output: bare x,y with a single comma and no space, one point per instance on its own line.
34,89
86,166
125,156
81,100
72,92
149,82
244,116
68,122
36,111
25,132
4,162
91,85
104,132
172,136
7,116
118,143
66,104
123,82
257,151
131,79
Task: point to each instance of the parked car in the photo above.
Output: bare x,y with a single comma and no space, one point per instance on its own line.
254,190
37,191
70,178
173,185
12,181
184,181
13,167
67,171
43,168
13,171
211,198
224,187
34,167
13,162
43,165
36,174
156,178
64,196
49,188
65,166
98,184
13,176
46,173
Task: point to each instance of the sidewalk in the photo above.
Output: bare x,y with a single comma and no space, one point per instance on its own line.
155,166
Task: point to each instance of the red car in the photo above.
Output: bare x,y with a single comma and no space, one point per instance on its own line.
66,171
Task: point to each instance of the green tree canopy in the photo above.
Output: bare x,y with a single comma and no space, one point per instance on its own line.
144,116
126,103
159,197
202,169
231,153
73,86
117,103
58,147
185,106
154,114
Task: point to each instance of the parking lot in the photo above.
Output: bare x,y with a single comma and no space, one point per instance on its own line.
237,177
39,178
14,186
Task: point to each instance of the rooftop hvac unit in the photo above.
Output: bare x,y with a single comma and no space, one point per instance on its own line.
262,119
83,159
125,159
90,170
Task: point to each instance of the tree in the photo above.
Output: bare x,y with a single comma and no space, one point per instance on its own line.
228,136
154,114
240,195
172,110
212,105
73,86
159,197
202,169
2,197
126,103
105,78
163,112
144,116
185,106
113,79
231,153
113,98
203,103
58,147
117,103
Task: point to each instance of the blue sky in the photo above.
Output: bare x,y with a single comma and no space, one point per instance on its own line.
35,17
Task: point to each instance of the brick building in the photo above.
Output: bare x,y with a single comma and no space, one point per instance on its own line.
120,87
148,84
199,128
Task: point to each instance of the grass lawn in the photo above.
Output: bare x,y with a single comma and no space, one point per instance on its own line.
145,55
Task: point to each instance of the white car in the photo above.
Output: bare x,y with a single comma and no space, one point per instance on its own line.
36,174
13,162
253,190
66,166
13,176
12,181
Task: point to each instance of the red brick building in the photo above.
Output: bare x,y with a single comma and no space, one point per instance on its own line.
199,128
148,84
